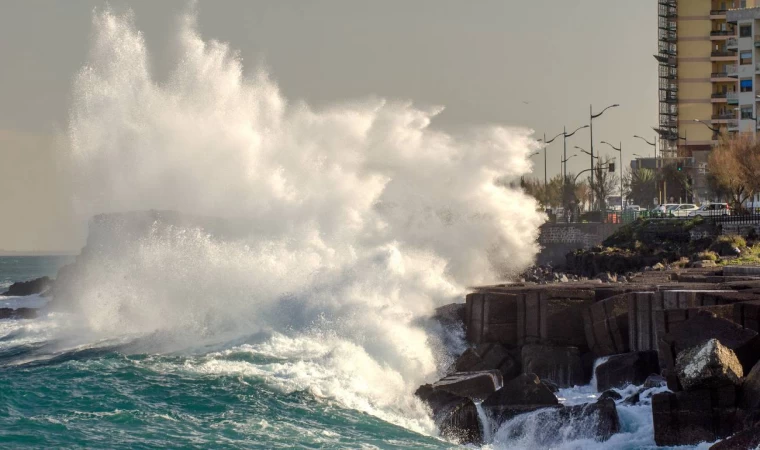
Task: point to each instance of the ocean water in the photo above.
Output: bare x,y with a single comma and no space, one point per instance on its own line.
310,325
260,391
24,268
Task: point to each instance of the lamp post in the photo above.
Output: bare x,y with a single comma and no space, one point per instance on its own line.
653,144
564,173
620,150
588,153
593,116
546,143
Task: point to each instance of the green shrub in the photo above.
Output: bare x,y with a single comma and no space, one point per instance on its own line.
707,255
732,239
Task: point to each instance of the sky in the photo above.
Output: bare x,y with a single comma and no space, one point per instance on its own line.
536,64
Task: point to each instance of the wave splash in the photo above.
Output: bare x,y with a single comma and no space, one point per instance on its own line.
361,220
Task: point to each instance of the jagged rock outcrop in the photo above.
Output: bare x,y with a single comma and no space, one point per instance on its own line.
455,416
619,371
31,287
709,365
489,357
474,385
560,365
744,440
691,417
522,394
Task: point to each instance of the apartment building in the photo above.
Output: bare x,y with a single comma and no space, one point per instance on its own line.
699,71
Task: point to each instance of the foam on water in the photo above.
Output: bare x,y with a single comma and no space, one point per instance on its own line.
362,219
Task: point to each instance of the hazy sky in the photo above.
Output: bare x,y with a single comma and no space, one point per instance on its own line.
481,60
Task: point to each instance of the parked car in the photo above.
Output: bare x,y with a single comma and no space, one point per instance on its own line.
683,210
633,208
660,211
712,210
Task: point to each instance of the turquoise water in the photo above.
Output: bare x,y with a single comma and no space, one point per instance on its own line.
121,393
24,268
113,400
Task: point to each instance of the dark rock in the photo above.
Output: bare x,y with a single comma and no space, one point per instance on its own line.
654,381
23,288
633,399
523,394
743,440
488,357
474,385
612,395
560,365
552,387
451,315
607,277
18,313
606,325
688,418
705,326
708,365
456,417
619,371
750,393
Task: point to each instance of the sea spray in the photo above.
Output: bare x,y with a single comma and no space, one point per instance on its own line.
360,220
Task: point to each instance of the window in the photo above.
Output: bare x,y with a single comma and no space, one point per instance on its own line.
745,31
745,58
747,112
746,85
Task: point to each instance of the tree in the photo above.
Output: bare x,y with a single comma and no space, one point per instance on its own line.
677,183
735,169
604,182
640,186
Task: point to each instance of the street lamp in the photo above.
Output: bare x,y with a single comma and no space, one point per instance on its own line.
653,144
546,143
593,116
564,173
620,150
584,151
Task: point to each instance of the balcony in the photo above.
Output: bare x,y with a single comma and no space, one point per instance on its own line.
733,125
722,54
757,41
732,44
716,75
732,70
723,117
722,33
733,98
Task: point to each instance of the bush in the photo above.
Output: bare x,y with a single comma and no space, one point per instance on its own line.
707,255
732,239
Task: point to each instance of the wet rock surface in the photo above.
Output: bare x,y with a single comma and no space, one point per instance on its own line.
619,371
31,287
473,385
709,365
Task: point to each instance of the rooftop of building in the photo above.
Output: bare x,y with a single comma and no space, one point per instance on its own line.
735,15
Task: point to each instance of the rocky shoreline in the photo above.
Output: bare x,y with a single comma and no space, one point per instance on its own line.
688,337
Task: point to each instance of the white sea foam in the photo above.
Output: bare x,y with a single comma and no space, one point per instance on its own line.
27,301
364,219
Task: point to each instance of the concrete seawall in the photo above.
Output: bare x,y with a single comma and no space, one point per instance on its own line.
559,239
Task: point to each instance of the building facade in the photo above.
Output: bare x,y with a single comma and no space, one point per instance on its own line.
701,73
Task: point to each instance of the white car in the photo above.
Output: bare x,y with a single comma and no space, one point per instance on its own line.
712,210
683,210
661,210
633,208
